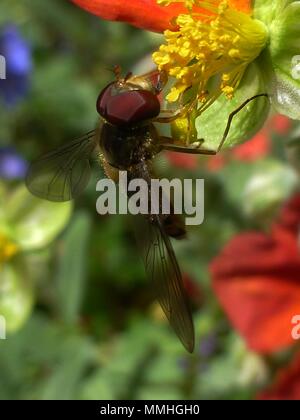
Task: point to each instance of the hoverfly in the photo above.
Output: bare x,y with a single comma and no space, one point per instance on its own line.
128,140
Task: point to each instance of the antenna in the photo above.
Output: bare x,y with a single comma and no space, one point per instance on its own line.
117,71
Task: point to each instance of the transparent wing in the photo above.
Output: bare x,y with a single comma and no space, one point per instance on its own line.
163,270
64,173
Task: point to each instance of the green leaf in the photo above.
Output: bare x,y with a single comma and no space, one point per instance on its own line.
284,57
136,364
35,222
212,123
44,361
232,372
266,10
259,187
293,149
75,355
72,107
16,294
72,268
163,392
270,184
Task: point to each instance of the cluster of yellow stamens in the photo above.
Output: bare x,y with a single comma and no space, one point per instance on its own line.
211,49
7,249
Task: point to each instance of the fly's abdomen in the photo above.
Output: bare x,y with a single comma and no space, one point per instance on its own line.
174,226
172,223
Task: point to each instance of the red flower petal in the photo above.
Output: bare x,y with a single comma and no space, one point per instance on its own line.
242,5
193,289
257,280
258,147
216,163
144,14
182,160
287,384
281,124
289,219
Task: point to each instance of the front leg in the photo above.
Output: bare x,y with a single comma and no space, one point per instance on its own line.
172,115
167,143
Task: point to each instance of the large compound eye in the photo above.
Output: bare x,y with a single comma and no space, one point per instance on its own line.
103,99
127,107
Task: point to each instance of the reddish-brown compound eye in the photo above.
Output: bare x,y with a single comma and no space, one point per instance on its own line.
127,107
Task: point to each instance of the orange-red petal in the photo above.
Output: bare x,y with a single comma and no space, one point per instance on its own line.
145,14
183,160
257,280
281,124
289,218
256,148
242,5
286,385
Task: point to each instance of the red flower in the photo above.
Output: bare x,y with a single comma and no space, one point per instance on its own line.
144,14
287,384
281,124
257,280
256,148
216,163
182,160
288,221
193,289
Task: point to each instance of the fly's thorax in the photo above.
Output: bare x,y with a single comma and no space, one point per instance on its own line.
125,146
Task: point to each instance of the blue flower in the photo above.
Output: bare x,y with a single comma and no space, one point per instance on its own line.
12,165
208,345
17,53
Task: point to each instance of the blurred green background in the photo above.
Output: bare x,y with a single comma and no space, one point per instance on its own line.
81,322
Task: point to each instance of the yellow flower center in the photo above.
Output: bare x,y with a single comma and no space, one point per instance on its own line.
7,249
213,44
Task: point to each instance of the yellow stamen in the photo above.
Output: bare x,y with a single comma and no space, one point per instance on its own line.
219,42
7,249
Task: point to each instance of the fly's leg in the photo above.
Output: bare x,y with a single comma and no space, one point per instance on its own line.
167,143
182,112
173,115
232,115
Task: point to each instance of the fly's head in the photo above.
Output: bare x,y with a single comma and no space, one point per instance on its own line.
131,100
